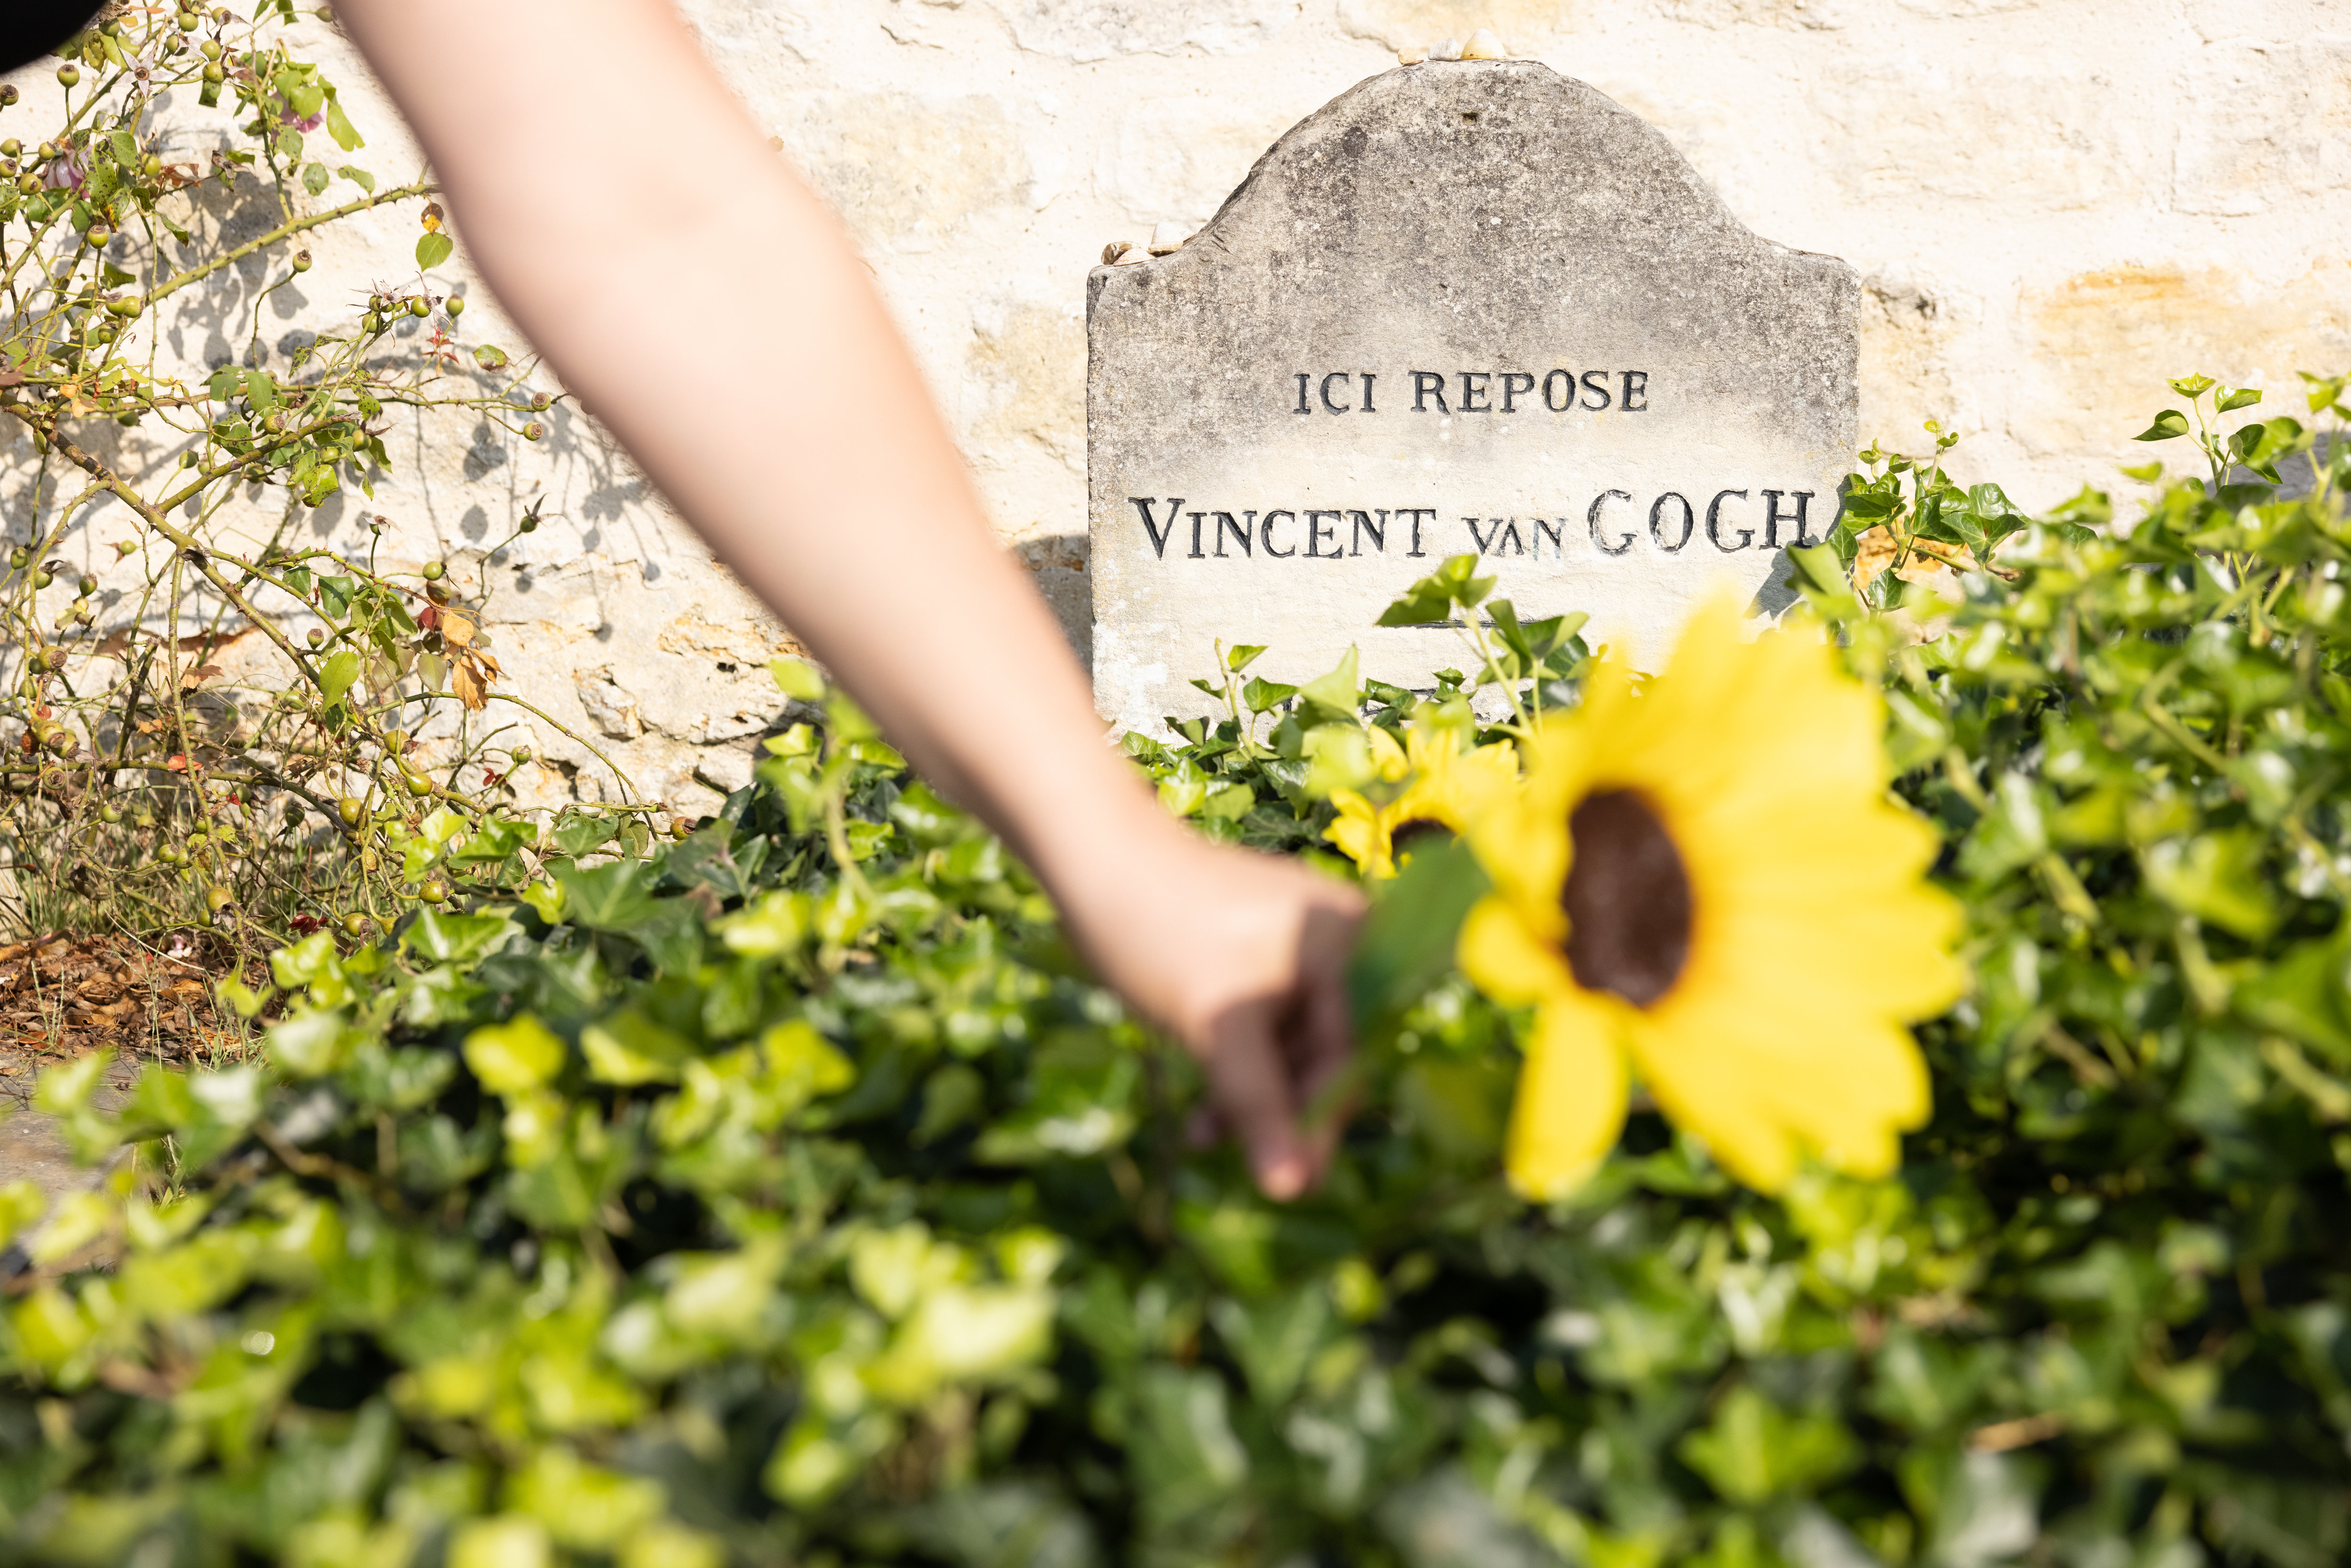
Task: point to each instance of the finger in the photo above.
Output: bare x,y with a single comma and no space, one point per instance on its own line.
1202,1130
1323,1058
1250,1086
1322,1038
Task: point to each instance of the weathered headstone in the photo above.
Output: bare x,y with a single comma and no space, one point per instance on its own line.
1466,306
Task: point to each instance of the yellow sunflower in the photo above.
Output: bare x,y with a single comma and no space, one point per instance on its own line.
1703,882
1449,786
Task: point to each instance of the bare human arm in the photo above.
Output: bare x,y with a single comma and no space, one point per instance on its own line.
634,224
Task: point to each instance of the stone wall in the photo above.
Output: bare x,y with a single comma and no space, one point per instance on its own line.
2052,205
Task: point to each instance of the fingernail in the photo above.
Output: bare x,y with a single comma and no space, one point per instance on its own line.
1282,1179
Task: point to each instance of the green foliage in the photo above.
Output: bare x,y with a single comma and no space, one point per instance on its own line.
788,1196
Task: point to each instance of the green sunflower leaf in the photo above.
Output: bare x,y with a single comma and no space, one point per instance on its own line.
1406,942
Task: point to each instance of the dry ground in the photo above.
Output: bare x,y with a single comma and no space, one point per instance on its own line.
62,997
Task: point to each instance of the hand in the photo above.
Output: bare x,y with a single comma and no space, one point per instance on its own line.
1243,958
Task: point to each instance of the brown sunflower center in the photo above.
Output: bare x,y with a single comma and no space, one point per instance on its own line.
1408,836
1627,899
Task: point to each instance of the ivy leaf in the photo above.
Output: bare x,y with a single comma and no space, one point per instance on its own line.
2217,877
2167,423
1337,695
1262,696
582,835
611,897
1426,604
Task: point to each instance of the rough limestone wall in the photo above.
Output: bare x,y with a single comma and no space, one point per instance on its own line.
2052,206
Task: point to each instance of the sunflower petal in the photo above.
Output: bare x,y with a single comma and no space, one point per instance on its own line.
1510,963
1571,1101
1356,831
1763,1089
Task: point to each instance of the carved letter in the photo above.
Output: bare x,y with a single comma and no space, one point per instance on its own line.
1541,528
1195,534
1265,534
1244,534
1339,376
1714,522
1302,393
1773,516
1158,531
1418,514
1596,381
1368,379
1429,384
1657,522
1637,385
1515,385
1472,397
1552,402
1316,533
1592,521
1364,524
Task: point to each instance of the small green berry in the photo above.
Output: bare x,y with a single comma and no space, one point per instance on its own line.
432,571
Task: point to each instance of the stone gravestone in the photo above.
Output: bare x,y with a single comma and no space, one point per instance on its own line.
1467,305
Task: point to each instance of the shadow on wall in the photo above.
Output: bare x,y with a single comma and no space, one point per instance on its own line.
1062,566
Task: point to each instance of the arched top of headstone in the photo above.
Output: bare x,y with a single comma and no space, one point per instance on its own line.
1483,295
